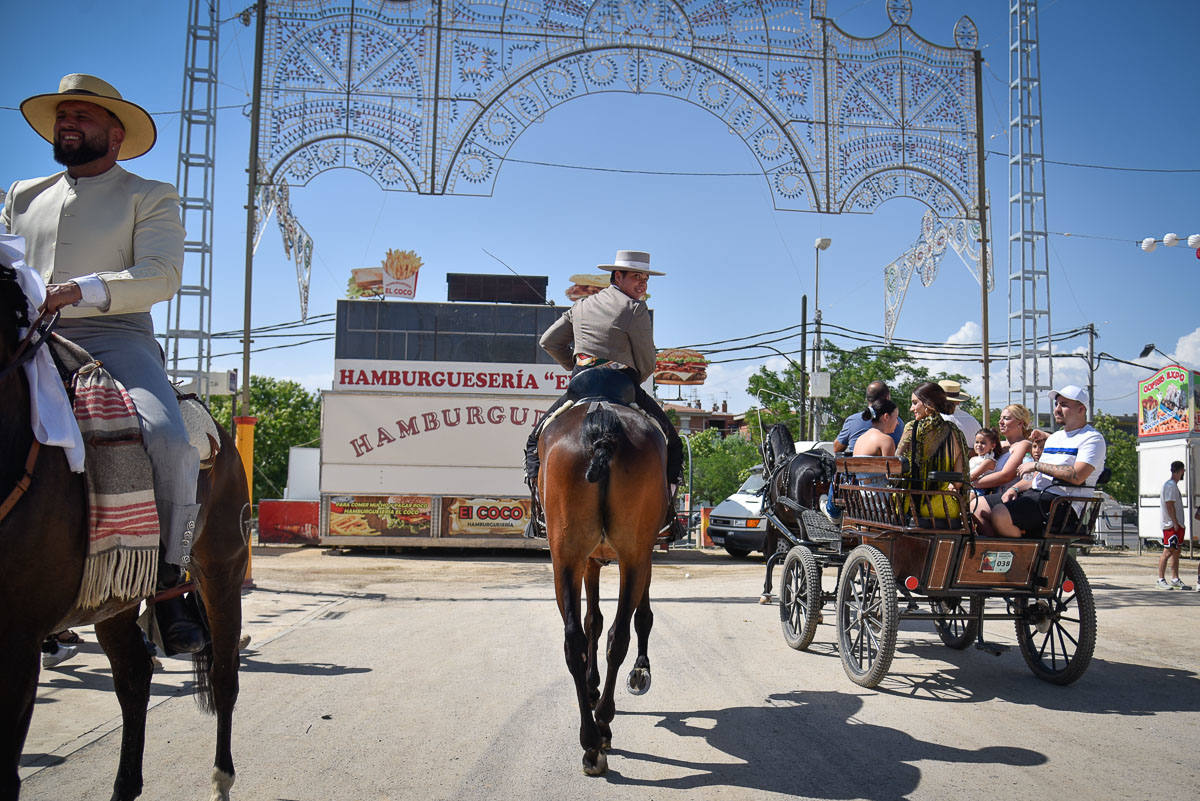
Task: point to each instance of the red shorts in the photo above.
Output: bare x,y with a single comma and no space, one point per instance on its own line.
1173,537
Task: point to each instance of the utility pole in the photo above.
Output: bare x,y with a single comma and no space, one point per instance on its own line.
803,361
260,12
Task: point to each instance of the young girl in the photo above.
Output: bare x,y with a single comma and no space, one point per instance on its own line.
987,451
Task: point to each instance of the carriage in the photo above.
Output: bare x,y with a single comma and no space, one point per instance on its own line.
914,554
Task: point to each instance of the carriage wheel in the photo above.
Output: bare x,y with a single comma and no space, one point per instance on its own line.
1058,635
800,597
957,634
867,617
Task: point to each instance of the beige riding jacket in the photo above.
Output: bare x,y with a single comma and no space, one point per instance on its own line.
609,325
119,226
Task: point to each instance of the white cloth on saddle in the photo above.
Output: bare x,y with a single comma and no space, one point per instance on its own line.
51,416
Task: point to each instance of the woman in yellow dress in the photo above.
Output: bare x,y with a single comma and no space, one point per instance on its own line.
933,443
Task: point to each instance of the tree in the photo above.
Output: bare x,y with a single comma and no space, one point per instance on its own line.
849,371
288,416
719,465
1120,458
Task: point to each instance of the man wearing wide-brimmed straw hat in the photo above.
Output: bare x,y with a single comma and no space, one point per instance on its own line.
109,245
609,329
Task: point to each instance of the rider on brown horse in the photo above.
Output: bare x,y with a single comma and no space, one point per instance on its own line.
611,329
109,245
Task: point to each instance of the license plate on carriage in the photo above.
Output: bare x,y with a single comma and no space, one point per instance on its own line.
996,562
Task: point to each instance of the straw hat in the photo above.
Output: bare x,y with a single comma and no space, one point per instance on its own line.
954,391
636,261
140,133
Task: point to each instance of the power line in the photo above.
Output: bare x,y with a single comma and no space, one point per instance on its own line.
1170,170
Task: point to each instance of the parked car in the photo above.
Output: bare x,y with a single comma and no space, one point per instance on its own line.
736,523
1117,525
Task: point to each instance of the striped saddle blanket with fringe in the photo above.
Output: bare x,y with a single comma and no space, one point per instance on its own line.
122,560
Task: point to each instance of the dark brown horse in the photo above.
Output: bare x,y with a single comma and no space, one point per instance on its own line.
43,541
604,489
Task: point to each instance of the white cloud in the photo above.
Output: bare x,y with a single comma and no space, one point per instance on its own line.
1187,349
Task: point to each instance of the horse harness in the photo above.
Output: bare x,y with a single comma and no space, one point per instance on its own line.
39,332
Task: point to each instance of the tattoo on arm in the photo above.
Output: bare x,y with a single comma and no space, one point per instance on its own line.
1063,472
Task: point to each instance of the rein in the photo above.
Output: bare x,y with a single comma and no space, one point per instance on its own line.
25,351
27,347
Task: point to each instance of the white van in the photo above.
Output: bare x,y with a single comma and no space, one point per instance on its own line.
737,524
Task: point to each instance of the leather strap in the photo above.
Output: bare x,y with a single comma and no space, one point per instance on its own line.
24,483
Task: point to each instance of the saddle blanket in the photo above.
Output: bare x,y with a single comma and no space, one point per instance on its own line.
122,560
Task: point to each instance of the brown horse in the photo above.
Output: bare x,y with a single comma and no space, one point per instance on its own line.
604,487
43,542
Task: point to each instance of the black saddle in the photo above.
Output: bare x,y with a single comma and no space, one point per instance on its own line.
601,383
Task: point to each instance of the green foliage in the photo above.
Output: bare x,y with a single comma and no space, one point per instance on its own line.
719,465
1121,458
850,372
288,416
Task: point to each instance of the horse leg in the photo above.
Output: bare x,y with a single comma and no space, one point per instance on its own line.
774,557
643,621
593,626
567,584
122,642
20,660
217,668
634,579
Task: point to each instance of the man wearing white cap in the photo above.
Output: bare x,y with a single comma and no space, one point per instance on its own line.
1071,463
610,329
109,245
954,394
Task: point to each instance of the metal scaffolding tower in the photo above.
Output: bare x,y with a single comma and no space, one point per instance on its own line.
1030,369
189,349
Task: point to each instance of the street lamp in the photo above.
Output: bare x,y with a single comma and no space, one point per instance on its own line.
1150,347
822,243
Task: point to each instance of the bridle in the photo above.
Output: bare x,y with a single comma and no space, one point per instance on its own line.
39,332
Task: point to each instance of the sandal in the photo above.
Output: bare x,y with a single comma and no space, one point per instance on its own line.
68,637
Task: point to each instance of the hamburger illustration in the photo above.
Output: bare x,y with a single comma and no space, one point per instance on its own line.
680,366
585,284
365,282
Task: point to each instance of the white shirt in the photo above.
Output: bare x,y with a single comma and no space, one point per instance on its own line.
1083,445
1170,492
966,423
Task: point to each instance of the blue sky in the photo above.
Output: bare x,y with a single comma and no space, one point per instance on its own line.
1119,89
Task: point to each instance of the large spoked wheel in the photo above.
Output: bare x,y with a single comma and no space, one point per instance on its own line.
800,597
1058,635
957,633
867,617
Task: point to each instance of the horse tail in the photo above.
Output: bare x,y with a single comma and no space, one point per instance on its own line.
601,434
201,674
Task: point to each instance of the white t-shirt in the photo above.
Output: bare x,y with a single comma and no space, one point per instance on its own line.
969,425
1170,492
1084,444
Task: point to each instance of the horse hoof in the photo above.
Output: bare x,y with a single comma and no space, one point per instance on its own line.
605,744
764,599
595,763
639,681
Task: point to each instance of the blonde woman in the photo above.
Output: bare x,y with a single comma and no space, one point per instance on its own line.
1015,425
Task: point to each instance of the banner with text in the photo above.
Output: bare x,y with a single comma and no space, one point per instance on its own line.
449,378
484,517
380,515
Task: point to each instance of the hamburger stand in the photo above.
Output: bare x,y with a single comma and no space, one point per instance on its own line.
424,427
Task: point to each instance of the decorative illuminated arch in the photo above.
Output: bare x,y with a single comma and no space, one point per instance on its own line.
429,96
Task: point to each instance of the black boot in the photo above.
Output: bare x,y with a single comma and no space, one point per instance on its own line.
535,528
675,530
178,625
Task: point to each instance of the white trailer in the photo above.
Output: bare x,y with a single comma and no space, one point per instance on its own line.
430,453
